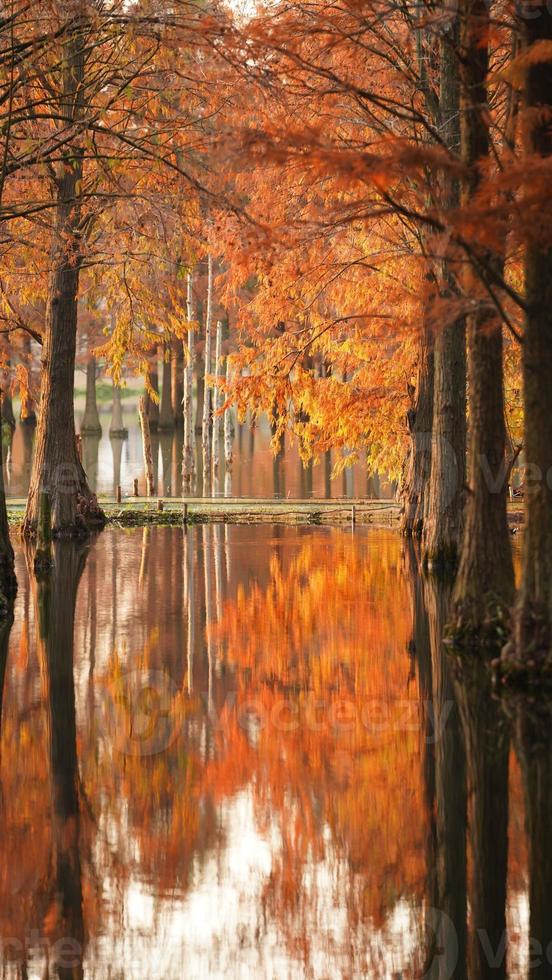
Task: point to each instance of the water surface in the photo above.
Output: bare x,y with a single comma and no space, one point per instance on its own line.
249,763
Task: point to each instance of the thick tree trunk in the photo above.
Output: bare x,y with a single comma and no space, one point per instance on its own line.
91,425
420,424
485,584
166,415
532,641
188,460
57,467
8,581
117,429
443,524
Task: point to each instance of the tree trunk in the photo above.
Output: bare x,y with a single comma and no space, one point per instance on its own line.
228,423
443,524
91,425
485,584
217,418
177,383
56,466
420,423
152,406
166,416
8,581
146,446
117,428
28,415
206,421
533,618
188,461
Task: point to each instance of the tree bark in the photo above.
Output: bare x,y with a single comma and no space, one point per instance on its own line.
484,588
117,429
228,423
207,421
177,383
8,581
152,406
443,524
217,418
420,424
91,425
146,447
188,461
166,415
57,467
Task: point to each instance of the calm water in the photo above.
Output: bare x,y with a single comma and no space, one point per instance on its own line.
255,472
248,763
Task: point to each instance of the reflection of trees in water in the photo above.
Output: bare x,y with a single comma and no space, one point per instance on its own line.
362,821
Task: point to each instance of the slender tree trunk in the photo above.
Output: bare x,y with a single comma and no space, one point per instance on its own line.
217,418
28,414
188,461
152,406
117,429
532,640
228,422
57,467
420,423
177,382
166,415
146,447
443,524
485,583
206,421
91,425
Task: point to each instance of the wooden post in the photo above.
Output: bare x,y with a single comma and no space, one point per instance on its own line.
185,515
160,505
136,494
43,554
353,515
118,495
146,444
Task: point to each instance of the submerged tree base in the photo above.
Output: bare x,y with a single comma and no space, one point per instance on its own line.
479,627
